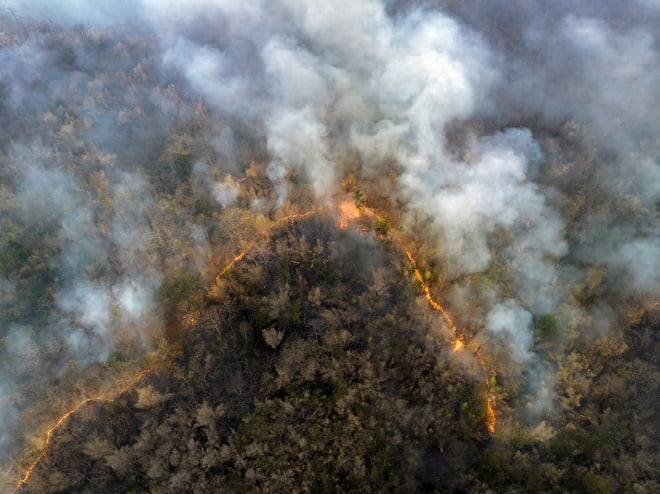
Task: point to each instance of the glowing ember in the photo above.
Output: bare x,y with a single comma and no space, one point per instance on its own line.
190,320
49,434
458,344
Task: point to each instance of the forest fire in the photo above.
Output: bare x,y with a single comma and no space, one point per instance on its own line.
347,211
343,236
49,434
427,292
239,257
233,262
459,343
491,418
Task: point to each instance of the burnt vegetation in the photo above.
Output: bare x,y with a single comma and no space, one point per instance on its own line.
305,374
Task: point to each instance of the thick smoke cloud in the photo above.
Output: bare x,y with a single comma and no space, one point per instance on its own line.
529,82
350,78
353,78
514,324
594,64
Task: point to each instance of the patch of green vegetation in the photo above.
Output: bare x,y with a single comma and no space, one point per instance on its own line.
199,208
382,226
14,255
359,198
353,260
260,319
116,357
416,286
547,325
182,286
182,164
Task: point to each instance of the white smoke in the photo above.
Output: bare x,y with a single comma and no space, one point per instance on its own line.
347,77
318,80
52,198
641,258
225,193
92,303
513,324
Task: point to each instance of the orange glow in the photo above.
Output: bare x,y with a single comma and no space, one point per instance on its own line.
49,434
347,212
491,419
236,259
295,216
190,320
459,343
427,292
239,257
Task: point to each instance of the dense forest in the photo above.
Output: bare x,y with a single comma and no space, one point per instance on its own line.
373,247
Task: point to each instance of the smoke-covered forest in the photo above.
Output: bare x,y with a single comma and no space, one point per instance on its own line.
349,246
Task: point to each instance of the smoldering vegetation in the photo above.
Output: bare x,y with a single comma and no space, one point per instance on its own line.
512,145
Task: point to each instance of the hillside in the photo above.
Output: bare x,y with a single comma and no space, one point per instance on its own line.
378,246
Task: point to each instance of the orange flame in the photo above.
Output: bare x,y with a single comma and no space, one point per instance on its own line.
239,257
459,342
347,211
427,292
49,434
190,319
233,262
491,419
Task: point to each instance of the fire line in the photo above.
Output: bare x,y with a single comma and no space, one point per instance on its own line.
458,343
239,257
427,292
49,434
